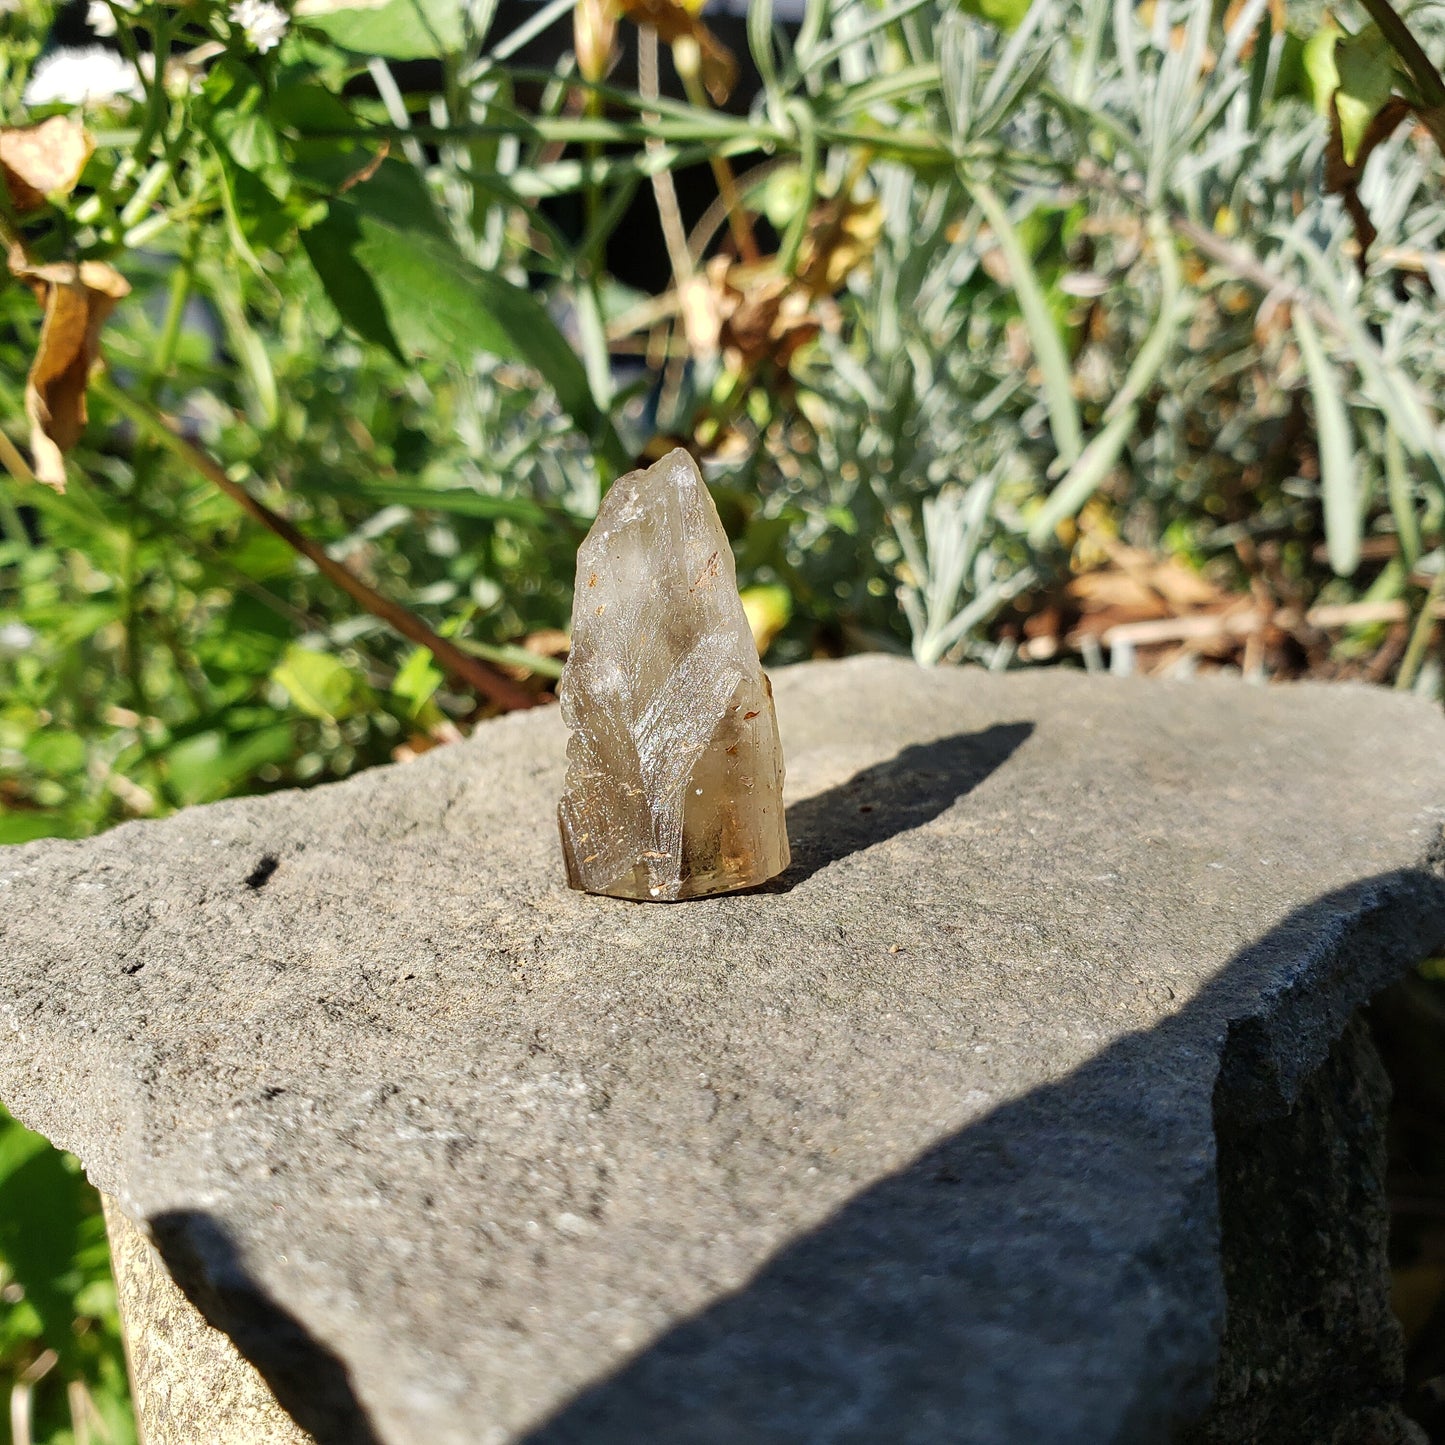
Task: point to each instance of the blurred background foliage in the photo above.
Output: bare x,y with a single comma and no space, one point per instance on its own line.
1084,330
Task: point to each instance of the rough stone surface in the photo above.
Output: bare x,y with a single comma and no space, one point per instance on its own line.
189,1382
675,778
915,1144
1311,1351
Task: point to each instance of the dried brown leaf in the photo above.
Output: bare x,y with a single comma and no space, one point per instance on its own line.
842,235
39,160
765,316
700,311
76,299
673,22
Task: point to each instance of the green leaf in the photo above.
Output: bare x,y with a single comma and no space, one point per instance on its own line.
1366,80
395,192
1317,60
510,655
256,210
457,501
56,751
760,42
26,827
1043,332
1083,479
1006,14
768,610
250,643
398,30
414,293
1343,518
319,684
18,1145
331,247
211,764
1402,499
248,136
42,1203
261,555
418,679
303,108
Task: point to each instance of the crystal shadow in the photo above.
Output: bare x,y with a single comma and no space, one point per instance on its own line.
889,798
1021,1280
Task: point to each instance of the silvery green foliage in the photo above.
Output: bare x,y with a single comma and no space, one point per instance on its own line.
955,582
1133,279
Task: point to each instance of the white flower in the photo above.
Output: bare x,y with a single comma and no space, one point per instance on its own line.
100,18
263,22
15,638
78,76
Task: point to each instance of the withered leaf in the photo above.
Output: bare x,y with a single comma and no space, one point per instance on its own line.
673,22
764,316
842,235
77,299
39,160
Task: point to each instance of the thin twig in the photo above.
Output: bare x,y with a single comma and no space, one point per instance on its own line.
674,235
716,216
472,672
21,1392
738,222
1244,622
82,1411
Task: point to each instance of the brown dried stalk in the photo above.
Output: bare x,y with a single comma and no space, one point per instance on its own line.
472,672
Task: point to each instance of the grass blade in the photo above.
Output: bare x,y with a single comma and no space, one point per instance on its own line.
1343,519
1082,480
1402,500
1043,333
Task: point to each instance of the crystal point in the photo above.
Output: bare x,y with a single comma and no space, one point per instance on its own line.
675,770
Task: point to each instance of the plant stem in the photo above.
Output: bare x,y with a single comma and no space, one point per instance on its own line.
12,524
592,160
472,672
1420,634
13,460
664,192
133,666
727,186
180,293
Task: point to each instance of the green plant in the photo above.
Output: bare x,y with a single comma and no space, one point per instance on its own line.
987,291
59,1331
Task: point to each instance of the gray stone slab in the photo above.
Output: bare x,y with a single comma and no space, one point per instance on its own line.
915,1145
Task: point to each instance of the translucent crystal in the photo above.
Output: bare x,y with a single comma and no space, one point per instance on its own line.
675,771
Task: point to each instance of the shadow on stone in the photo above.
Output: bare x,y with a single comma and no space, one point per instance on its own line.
1014,1283
891,798
312,1385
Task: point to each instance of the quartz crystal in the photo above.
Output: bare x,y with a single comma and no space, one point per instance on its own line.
675,771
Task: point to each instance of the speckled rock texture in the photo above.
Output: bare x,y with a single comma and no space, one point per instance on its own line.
189,1382
1311,1349
916,1143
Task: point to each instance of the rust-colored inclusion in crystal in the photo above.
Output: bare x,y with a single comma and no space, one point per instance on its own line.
675,771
